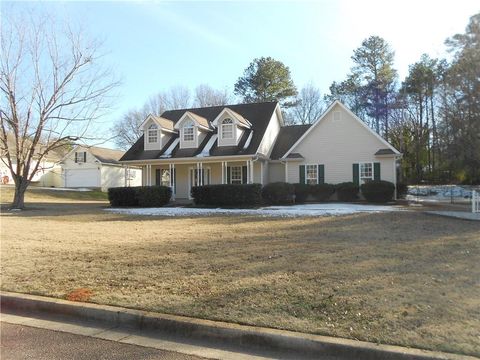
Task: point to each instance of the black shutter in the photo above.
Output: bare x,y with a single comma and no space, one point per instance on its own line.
158,177
244,175
356,175
376,171
321,174
302,174
228,174
84,156
76,157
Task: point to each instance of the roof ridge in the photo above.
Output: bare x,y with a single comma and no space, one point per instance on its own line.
219,106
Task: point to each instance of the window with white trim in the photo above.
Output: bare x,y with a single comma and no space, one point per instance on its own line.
165,177
188,131
311,174
366,172
236,175
80,156
227,129
152,133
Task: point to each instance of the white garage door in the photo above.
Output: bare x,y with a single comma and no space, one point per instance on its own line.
76,178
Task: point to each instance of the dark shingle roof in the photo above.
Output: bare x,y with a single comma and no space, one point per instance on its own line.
385,152
258,114
286,138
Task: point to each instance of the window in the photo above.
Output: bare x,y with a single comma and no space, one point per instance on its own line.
366,172
227,129
311,174
80,157
188,132
236,175
152,134
165,178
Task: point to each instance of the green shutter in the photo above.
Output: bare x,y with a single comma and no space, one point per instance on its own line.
376,171
244,175
321,174
302,174
228,174
356,175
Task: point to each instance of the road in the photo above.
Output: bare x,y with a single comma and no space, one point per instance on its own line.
24,342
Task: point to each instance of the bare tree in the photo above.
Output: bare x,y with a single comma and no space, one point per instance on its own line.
177,97
127,130
53,90
309,105
205,95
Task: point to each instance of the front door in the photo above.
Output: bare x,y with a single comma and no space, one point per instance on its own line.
198,174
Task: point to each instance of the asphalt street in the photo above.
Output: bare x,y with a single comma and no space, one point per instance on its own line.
23,343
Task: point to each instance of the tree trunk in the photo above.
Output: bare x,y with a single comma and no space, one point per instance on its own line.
21,185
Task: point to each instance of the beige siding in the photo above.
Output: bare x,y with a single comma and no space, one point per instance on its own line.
270,135
276,172
338,144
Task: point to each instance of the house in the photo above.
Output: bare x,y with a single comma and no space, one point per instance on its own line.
97,167
249,143
48,173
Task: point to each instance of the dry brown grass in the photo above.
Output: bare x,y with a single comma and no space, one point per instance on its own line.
398,278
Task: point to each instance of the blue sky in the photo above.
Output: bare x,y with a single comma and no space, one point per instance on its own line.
155,45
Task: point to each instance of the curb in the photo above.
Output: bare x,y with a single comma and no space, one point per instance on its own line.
280,341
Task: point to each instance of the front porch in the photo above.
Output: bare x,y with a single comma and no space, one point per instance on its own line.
182,176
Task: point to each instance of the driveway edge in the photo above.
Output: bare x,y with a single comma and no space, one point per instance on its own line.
220,332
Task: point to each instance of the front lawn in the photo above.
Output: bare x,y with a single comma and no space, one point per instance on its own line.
399,277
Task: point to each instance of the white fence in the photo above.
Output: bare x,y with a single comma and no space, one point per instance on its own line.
475,201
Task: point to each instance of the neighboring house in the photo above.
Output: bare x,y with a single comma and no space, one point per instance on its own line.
49,172
97,167
249,143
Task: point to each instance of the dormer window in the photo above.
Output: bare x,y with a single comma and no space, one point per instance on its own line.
227,129
152,133
188,131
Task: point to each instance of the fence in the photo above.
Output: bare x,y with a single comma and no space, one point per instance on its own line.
475,201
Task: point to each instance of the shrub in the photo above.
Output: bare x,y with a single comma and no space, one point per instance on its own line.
347,191
378,191
301,192
402,190
278,193
228,195
122,196
322,192
153,196
146,196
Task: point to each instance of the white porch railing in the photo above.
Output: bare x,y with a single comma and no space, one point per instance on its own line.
475,202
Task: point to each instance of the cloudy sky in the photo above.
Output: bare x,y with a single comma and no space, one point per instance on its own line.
155,45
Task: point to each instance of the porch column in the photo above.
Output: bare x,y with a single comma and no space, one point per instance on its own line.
200,175
223,172
261,172
171,172
149,179
250,165
197,177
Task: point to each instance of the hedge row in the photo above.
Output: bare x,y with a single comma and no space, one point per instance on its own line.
143,196
227,195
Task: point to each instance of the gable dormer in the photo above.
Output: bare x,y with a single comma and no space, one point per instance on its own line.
231,126
157,132
193,129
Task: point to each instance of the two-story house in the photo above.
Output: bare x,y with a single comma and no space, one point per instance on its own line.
249,143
